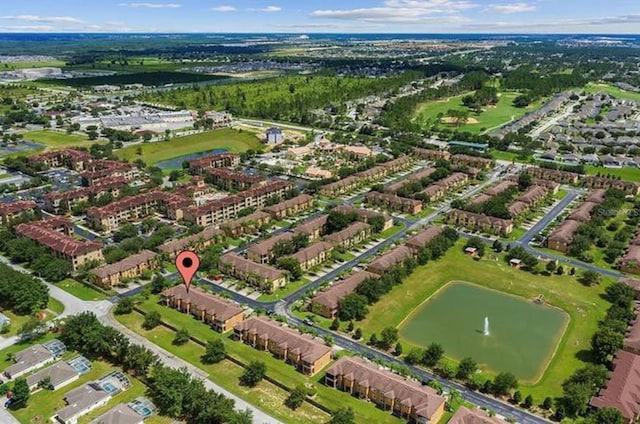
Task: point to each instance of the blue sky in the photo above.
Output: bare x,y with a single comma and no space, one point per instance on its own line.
307,16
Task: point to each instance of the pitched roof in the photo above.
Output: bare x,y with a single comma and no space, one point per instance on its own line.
119,414
500,188
126,264
348,233
465,415
58,373
80,399
180,244
290,203
422,238
342,288
310,349
311,225
583,212
622,391
266,246
245,266
222,309
312,251
16,207
389,259
564,233
424,399
44,233
28,358
597,196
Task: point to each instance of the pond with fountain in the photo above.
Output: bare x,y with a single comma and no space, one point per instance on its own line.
500,331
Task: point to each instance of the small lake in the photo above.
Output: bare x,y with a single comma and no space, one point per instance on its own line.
176,163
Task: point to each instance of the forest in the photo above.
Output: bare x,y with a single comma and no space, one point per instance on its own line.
289,98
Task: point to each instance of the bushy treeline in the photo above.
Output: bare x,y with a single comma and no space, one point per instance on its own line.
21,293
174,391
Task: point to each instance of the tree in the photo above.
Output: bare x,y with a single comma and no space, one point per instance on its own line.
398,349
528,402
357,335
342,416
497,246
253,373
432,354
20,393
504,383
352,306
605,343
551,266
373,340
335,324
45,383
414,356
159,283
215,351
547,403
296,398
590,278
124,306
291,265
517,397
388,336
31,329
608,416
182,337
350,326
152,320
466,368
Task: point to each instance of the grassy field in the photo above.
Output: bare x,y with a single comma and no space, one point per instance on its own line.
583,304
57,139
284,291
80,290
508,156
616,92
277,369
54,308
144,78
490,118
628,174
54,63
229,139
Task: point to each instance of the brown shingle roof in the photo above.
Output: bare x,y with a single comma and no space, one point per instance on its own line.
245,266
348,233
309,348
126,264
597,196
42,232
622,392
312,251
583,212
180,244
564,233
412,394
340,289
221,309
500,188
389,259
287,204
465,415
16,207
266,246
418,241
311,225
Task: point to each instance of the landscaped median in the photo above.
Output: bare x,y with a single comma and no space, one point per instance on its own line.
267,396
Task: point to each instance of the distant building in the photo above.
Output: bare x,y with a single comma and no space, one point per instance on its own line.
274,136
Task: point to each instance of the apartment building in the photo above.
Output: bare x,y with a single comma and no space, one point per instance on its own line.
407,399
562,177
560,239
629,187
432,155
354,234
56,234
290,207
264,277
249,224
309,355
313,228
220,160
100,170
480,222
229,180
366,215
474,161
419,241
396,203
326,303
75,160
61,202
262,252
221,314
390,259
195,242
9,212
313,255
130,267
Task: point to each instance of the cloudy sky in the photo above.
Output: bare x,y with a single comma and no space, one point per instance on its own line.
307,16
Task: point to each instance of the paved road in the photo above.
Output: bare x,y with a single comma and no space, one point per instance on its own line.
172,361
548,218
6,417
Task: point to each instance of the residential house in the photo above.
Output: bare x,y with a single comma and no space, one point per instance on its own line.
195,242
59,374
407,399
480,222
130,267
433,192
120,414
402,204
313,255
560,239
75,160
9,212
533,196
264,277
419,241
622,391
475,161
221,314
313,228
629,187
500,188
274,136
326,303
390,259
80,402
262,252
466,415
630,261
56,234
562,177
34,357
453,181
340,187
354,234
308,354
290,207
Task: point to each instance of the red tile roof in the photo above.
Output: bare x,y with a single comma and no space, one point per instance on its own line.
44,233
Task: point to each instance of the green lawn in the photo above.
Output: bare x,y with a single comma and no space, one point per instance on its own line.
54,308
508,156
277,369
583,304
80,290
54,63
628,174
4,353
232,140
284,291
616,92
490,118
391,231
57,139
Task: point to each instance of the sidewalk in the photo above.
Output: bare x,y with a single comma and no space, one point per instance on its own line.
259,417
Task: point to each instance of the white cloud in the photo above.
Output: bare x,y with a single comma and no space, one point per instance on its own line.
152,5
403,11
268,9
224,9
43,19
27,28
511,8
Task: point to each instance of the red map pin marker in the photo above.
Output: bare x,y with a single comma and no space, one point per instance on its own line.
187,264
